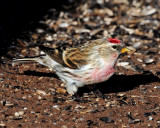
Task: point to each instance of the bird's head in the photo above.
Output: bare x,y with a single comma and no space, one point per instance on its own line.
107,51
111,47
114,45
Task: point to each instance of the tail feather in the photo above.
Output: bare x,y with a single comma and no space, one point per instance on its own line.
24,60
44,60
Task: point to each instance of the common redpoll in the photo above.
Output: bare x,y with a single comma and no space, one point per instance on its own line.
91,63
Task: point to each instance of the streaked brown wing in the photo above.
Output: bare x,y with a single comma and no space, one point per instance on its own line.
75,57
55,54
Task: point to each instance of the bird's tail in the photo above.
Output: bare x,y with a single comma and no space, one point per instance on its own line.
25,60
44,60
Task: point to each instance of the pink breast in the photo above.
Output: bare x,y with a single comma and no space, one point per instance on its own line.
100,75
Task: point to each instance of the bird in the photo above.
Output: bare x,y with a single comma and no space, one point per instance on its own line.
91,63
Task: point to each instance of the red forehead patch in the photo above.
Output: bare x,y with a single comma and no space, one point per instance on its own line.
113,40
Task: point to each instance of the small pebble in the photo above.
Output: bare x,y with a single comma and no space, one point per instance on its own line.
79,107
150,118
55,106
39,97
148,60
82,31
51,89
106,120
40,30
100,1
61,90
157,87
137,45
32,112
41,92
139,60
108,104
25,108
21,113
122,64
8,104
63,25
135,121
16,114
2,125
86,19
49,38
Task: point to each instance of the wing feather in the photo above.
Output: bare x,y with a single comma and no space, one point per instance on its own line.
71,57
55,54
75,57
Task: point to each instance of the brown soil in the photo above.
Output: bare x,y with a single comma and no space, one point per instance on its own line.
31,95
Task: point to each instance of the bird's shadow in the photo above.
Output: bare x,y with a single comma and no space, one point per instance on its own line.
117,83
123,83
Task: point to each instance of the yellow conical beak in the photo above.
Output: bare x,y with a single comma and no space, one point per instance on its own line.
124,50
129,50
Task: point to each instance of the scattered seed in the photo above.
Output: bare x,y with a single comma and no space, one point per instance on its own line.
148,60
157,87
123,64
137,45
2,125
49,38
150,118
139,60
61,90
16,114
21,113
40,92
64,25
55,106
135,121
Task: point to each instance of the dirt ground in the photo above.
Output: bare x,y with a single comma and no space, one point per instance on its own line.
31,95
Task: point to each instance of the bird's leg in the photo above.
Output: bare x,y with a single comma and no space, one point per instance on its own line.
71,88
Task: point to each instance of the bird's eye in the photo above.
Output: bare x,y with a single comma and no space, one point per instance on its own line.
114,47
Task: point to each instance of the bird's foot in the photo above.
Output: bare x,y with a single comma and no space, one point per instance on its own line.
71,88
